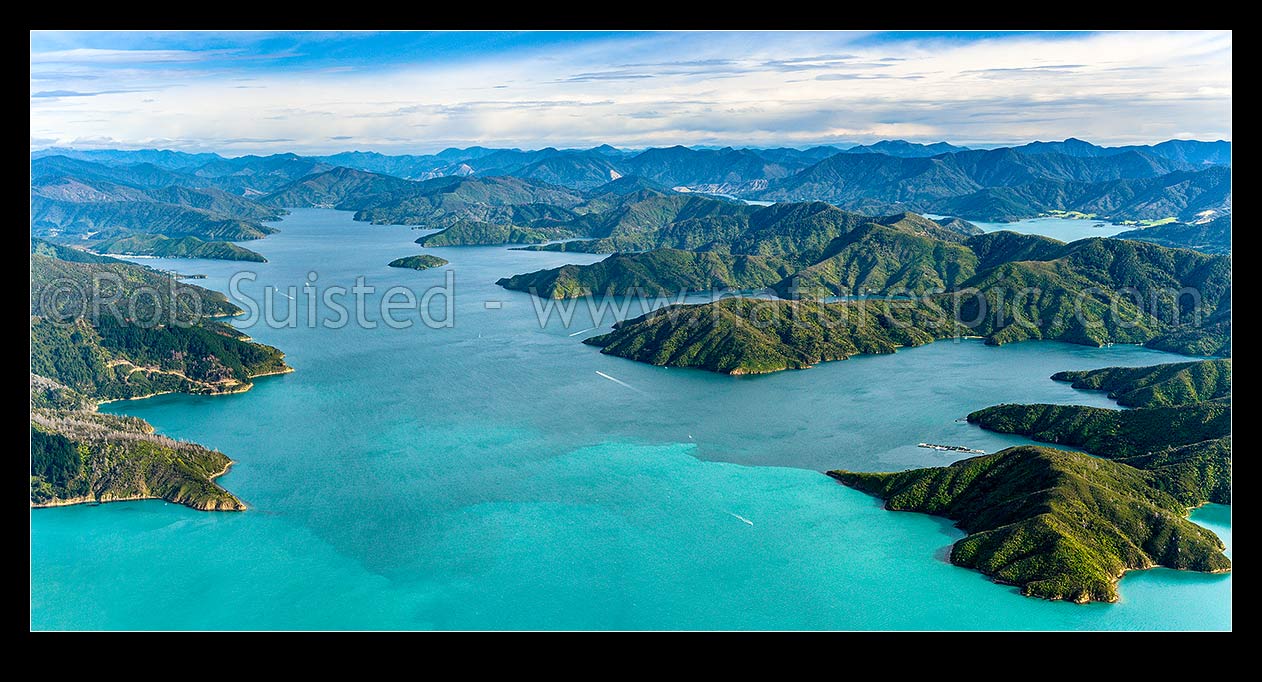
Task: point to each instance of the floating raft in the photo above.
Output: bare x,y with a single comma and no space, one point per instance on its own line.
951,448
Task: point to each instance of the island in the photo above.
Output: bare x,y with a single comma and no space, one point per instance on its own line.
1067,525
422,261
1063,522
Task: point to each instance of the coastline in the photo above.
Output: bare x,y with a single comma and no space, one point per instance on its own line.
286,370
1116,579
739,371
237,388
73,501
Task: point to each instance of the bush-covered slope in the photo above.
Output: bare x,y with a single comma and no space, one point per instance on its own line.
752,336
1059,524
80,456
1111,433
477,233
661,272
58,218
423,261
158,342
175,247
1159,385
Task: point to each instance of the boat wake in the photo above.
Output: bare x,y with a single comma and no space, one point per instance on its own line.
619,382
742,518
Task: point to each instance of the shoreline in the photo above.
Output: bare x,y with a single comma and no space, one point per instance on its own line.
745,372
238,388
75,501
286,370
1117,578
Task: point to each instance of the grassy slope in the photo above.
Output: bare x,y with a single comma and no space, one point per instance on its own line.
1211,237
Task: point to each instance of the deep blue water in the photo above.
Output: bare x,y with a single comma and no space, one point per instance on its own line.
486,476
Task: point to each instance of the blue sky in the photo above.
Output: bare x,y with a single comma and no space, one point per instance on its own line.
247,92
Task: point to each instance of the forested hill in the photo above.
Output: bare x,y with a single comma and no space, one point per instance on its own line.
1084,292
154,344
103,329
1067,525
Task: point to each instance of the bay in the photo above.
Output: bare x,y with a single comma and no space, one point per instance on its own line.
500,474
1064,229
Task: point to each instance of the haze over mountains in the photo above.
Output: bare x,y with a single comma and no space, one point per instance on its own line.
106,195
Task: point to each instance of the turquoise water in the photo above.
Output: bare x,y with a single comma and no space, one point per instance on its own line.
485,476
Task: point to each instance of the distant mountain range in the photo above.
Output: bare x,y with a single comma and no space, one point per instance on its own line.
1194,152
100,194
905,149
1009,184
490,159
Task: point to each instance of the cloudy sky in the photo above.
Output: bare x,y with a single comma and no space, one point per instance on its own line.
399,92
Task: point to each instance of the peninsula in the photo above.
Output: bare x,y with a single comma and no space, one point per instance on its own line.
1068,292
1067,525
78,361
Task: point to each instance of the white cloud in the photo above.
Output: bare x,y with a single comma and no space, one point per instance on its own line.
736,88
95,56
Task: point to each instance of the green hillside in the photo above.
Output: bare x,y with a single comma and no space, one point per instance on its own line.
175,247
661,272
1058,524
